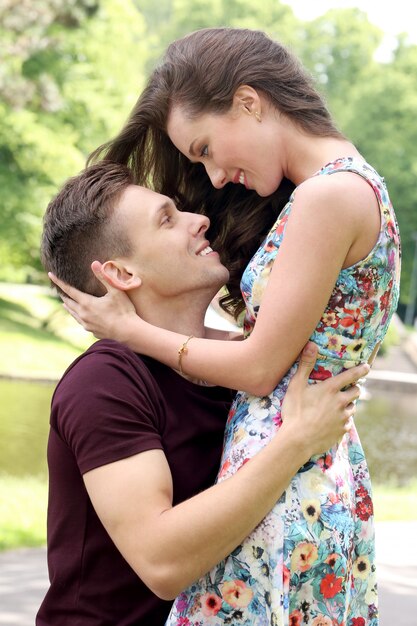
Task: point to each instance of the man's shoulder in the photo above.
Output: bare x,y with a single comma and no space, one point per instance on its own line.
106,365
110,365
111,347
105,352
107,406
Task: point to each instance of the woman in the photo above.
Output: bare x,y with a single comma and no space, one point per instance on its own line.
328,269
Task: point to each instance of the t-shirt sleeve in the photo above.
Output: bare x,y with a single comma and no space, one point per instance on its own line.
107,408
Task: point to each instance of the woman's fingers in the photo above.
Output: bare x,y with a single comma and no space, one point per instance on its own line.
97,269
72,312
306,363
351,376
351,394
71,292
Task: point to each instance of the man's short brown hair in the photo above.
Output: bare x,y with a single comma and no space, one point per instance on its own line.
79,226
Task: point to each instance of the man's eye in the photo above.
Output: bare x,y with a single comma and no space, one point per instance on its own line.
166,219
204,151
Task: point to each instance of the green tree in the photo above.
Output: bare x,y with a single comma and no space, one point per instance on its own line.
71,71
339,49
374,104
381,121
174,18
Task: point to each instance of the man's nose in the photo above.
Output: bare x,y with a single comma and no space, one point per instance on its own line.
198,223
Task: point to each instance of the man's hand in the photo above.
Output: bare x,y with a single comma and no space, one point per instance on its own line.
321,411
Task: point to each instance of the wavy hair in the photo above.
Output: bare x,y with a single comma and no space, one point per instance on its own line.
201,73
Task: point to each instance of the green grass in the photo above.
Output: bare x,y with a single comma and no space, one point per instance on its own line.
395,504
22,511
38,338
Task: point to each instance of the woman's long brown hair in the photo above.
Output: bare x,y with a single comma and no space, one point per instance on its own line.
201,73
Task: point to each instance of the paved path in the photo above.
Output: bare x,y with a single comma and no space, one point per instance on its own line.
23,578
397,573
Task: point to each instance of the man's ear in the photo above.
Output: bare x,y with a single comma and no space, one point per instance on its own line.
246,99
119,277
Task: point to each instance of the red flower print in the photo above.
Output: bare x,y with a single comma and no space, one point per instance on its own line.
183,621
330,585
364,509
370,307
225,467
366,283
269,246
325,462
391,232
210,604
332,559
361,492
384,300
296,618
281,226
336,300
357,621
231,414
320,373
247,327
353,318
286,577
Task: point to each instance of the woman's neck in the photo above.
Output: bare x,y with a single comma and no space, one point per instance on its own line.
309,154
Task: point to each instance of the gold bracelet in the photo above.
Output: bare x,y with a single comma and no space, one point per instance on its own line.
181,351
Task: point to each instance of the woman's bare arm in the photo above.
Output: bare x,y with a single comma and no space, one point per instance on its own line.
334,223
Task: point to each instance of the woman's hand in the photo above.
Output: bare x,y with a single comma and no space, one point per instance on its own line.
103,316
321,411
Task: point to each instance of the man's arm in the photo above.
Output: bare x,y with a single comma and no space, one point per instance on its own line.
170,547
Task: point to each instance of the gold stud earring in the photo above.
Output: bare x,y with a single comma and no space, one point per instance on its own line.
258,116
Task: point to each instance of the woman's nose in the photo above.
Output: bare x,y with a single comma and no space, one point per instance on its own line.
217,176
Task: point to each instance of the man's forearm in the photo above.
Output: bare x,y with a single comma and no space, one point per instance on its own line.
187,540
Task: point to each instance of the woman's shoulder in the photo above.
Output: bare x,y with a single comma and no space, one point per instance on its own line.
345,192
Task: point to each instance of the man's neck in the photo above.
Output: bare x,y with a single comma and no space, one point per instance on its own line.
184,316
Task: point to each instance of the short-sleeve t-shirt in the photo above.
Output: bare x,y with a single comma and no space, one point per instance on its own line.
111,404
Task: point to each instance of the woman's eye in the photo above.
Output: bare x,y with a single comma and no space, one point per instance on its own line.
166,220
204,151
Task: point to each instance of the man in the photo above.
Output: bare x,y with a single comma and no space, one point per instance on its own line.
134,446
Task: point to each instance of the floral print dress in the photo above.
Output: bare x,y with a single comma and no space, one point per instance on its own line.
311,560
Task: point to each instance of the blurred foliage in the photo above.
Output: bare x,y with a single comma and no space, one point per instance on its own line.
339,50
70,71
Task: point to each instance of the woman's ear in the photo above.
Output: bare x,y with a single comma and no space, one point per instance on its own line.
247,99
119,276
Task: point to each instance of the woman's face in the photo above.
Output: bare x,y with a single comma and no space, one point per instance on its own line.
233,147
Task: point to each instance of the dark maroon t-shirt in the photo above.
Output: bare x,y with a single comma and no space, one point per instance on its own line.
111,404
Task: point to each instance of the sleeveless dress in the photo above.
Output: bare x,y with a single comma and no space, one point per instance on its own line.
311,560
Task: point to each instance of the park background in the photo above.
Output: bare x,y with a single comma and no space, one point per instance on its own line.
70,72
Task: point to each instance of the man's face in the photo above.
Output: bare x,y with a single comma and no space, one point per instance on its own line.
170,254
